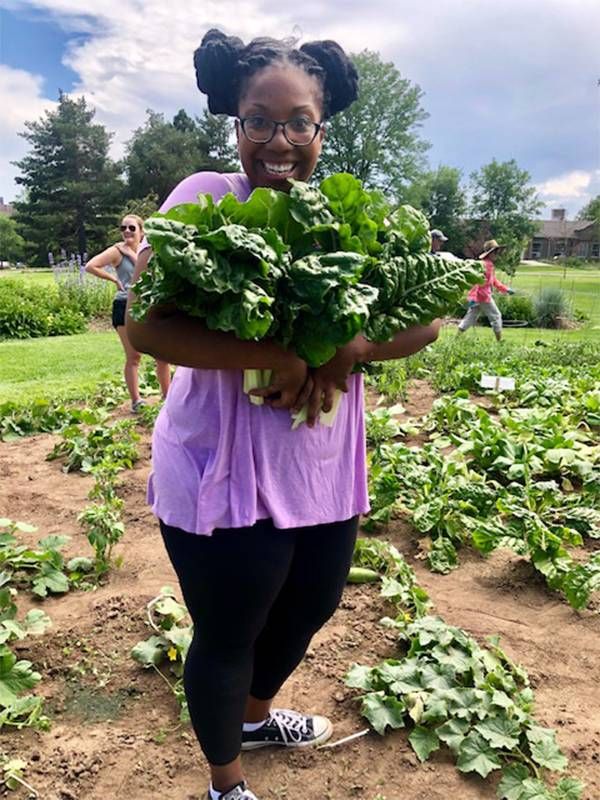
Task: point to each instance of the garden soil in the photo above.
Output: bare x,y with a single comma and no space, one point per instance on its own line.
115,731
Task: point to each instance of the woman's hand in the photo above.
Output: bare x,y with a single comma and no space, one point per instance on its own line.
332,377
118,284
290,386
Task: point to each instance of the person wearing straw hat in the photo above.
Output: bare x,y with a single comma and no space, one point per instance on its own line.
480,296
437,240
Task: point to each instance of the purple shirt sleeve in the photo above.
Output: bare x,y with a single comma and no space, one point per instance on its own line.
216,184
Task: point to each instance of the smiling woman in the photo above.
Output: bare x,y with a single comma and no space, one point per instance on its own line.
259,520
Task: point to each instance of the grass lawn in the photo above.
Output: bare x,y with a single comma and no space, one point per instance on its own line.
71,366
582,286
38,277
66,366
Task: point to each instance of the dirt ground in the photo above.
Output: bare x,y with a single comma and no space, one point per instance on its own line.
115,732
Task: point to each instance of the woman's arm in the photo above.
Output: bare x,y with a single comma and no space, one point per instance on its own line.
169,335
334,374
405,343
499,285
108,258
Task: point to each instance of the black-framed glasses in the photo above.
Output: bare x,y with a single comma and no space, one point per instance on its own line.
132,228
299,131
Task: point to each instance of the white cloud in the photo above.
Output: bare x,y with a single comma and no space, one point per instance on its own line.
21,99
501,80
572,185
571,191
138,53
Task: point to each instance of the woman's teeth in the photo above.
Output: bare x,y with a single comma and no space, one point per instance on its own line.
278,169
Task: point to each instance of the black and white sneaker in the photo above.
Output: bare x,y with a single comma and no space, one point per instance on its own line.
239,792
288,729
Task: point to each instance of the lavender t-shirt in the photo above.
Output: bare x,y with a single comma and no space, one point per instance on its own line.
218,461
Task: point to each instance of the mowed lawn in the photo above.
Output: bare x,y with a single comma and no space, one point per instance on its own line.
582,286
38,277
58,366
70,366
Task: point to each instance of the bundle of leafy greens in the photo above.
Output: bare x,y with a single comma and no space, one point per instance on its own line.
311,269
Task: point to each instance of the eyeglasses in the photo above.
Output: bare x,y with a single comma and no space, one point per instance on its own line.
131,228
299,131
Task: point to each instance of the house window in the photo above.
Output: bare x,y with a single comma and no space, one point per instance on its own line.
536,248
560,248
596,250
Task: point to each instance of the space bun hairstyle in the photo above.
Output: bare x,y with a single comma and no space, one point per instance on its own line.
224,64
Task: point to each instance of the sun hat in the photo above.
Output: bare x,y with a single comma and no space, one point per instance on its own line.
490,246
437,234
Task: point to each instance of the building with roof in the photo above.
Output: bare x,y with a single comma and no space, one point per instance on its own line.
6,208
559,237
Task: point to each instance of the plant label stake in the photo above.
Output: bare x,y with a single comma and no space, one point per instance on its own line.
497,382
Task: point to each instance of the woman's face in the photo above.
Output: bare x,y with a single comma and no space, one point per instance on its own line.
280,92
130,236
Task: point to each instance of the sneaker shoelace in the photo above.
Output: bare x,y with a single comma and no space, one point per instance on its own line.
292,726
239,793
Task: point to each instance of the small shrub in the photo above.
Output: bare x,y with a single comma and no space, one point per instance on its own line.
31,311
552,308
516,308
574,262
90,296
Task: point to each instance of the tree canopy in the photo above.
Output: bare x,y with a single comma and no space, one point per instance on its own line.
377,138
161,153
72,187
503,198
440,196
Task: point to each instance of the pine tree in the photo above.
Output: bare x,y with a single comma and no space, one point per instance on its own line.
72,187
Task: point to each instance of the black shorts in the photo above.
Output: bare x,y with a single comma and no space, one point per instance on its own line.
118,312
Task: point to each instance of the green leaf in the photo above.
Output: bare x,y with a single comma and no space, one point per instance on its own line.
50,580
383,711
500,731
80,564
436,710
54,542
24,527
453,732
511,784
476,755
534,789
150,652
424,742
568,789
442,557
360,677
15,676
544,749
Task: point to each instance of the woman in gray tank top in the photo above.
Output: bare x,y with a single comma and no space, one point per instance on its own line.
122,258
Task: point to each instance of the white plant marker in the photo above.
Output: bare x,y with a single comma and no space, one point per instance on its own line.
497,382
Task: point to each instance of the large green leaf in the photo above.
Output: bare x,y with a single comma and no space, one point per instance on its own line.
511,784
500,731
453,732
544,749
383,711
424,742
15,676
568,789
150,652
476,755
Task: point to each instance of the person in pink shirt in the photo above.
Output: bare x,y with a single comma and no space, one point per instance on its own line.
480,296
258,520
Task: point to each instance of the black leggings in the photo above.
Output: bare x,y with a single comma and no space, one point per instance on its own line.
256,596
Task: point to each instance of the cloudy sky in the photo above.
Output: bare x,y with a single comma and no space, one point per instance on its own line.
505,79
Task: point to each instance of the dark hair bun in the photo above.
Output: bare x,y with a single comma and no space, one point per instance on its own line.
216,63
341,77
